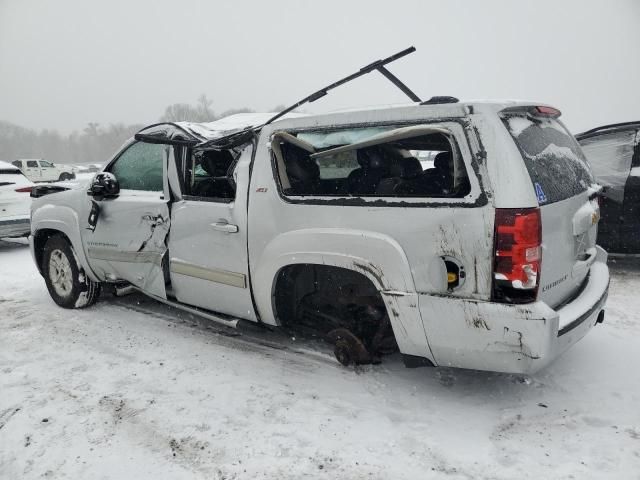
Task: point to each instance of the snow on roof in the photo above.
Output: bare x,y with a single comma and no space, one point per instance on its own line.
230,124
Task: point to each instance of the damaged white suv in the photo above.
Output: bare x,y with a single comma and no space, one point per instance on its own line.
462,234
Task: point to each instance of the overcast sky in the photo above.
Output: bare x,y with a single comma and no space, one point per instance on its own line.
64,63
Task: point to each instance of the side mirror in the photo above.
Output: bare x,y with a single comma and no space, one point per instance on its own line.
104,185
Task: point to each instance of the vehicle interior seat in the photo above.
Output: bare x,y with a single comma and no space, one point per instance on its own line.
303,172
373,168
403,180
438,181
219,184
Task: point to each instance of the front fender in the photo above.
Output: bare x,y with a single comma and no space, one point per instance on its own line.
63,219
378,257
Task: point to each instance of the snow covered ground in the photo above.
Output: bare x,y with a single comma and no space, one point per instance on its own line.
112,392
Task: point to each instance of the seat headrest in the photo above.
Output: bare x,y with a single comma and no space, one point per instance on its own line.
442,162
372,158
216,163
408,167
302,168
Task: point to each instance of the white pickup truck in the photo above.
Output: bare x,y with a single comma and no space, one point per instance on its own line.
484,258
39,170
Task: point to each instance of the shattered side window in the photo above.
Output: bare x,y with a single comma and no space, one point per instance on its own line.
554,159
610,157
372,162
208,175
140,167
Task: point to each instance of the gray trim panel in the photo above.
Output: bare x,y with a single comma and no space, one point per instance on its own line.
216,275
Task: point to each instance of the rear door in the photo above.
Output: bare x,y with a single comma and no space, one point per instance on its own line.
32,170
208,257
630,228
565,189
610,156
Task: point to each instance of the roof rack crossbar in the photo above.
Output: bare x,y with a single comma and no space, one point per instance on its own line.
377,65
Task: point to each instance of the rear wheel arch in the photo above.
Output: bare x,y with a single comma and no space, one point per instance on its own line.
290,275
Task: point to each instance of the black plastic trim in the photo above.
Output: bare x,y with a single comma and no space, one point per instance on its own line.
578,321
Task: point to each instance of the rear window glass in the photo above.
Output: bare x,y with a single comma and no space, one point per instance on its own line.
556,164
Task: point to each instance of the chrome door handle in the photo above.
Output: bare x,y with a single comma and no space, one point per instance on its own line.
225,227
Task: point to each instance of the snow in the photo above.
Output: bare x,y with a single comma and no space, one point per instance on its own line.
129,389
230,124
518,124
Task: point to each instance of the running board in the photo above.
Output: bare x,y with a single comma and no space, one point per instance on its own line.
194,310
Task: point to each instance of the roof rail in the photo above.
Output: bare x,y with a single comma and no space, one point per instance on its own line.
607,127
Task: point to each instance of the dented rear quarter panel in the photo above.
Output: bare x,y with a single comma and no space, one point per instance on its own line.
398,247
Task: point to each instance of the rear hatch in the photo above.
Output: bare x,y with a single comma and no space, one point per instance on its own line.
566,192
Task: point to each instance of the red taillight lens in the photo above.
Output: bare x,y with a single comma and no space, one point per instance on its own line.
24,189
518,254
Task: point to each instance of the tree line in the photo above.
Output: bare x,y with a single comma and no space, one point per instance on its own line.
95,143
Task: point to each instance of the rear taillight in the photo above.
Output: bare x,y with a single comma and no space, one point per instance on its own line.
517,255
24,189
544,111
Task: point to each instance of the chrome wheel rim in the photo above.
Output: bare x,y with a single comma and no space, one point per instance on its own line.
60,273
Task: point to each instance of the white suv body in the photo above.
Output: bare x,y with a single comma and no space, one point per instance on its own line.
488,263
39,170
15,202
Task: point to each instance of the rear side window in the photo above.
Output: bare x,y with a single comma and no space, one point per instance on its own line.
415,161
554,159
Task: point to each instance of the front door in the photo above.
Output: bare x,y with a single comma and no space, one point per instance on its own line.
48,173
129,240
208,240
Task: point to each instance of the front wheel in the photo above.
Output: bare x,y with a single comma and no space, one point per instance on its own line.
67,283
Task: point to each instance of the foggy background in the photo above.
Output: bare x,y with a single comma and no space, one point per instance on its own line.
78,77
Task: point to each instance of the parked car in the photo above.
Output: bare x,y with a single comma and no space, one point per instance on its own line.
88,168
15,201
614,154
39,170
485,258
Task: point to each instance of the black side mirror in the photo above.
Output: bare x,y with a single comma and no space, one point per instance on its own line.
104,185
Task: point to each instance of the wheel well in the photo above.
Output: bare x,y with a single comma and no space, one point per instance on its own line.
39,241
320,299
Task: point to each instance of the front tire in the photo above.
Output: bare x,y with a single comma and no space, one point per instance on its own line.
68,285
64,177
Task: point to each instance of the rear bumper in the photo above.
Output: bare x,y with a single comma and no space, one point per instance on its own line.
512,338
15,226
